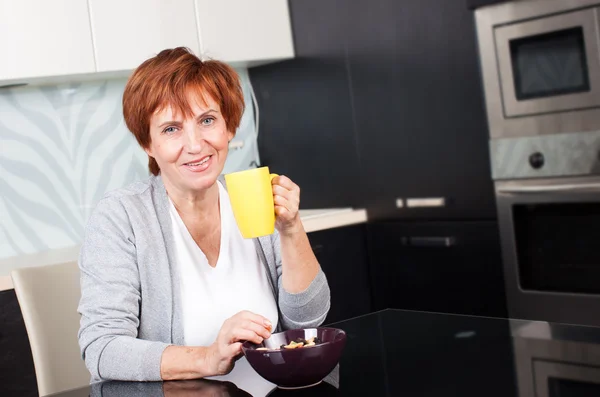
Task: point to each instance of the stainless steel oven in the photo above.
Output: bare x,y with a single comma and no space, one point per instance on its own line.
540,62
550,237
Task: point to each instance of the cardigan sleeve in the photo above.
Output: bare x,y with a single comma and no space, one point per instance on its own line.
305,309
110,300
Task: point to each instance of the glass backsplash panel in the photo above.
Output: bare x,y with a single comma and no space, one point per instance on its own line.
62,148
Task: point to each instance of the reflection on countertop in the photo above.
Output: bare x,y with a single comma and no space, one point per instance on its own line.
556,359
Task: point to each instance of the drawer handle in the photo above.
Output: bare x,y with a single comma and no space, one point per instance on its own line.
431,241
426,202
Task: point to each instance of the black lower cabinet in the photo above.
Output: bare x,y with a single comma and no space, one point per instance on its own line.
17,373
449,267
342,254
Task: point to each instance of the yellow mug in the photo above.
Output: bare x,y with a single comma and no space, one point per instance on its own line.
251,197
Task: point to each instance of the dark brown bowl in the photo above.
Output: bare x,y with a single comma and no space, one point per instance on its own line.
297,367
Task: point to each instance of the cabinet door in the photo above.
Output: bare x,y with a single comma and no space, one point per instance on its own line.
342,254
240,30
44,38
450,267
419,108
306,127
128,32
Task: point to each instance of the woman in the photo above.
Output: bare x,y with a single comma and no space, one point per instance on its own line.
169,287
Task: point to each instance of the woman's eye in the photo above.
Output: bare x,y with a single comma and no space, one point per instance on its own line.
208,121
169,130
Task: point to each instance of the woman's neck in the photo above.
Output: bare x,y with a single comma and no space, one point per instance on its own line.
198,204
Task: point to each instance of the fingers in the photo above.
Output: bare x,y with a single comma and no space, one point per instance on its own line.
227,348
248,326
282,212
289,204
235,349
249,331
284,182
287,198
255,318
243,334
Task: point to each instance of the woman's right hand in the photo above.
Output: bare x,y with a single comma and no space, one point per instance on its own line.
244,326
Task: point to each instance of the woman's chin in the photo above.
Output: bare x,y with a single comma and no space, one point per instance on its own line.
201,182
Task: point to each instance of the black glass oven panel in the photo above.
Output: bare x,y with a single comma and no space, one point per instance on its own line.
558,246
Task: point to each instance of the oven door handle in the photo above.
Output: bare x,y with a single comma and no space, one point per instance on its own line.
551,188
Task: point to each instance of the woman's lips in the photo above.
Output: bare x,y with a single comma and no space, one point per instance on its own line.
199,166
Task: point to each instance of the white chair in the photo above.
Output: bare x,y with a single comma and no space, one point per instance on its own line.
48,297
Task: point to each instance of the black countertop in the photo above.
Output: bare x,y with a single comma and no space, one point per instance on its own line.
404,353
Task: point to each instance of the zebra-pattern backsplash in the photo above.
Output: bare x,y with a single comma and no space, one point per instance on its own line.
61,149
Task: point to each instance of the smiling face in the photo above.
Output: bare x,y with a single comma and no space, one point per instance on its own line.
190,150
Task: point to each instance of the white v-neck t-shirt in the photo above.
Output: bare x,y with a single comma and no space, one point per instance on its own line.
210,295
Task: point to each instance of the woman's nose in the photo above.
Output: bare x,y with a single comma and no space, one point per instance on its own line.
193,140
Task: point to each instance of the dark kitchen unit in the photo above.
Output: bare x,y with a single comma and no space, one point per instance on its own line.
342,254
437,266
383,109
541,72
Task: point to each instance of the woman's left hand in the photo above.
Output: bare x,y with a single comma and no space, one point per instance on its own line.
286,196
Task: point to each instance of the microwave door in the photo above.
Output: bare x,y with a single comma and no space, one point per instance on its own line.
549,64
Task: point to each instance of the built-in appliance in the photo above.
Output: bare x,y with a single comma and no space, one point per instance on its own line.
550,231
540,62
540,66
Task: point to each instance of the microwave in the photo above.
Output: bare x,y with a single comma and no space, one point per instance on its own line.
540,66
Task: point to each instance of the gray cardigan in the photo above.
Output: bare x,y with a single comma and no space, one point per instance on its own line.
130,302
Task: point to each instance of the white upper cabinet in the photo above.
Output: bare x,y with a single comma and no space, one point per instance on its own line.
245,31
52,40
127,32
40,38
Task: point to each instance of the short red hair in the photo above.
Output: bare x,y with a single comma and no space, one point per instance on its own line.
165,79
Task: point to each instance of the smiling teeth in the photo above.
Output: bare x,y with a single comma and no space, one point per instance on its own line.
200,163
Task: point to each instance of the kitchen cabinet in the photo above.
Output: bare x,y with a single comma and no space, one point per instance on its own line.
246,32
71,40
387,99
450,267
126,33
419,110
342,254
17,373
43,38
306,123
